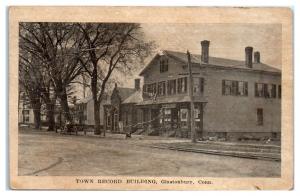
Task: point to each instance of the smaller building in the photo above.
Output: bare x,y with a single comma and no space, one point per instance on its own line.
25,110
85,111
121,114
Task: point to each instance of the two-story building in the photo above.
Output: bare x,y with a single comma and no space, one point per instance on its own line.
233,99
85,111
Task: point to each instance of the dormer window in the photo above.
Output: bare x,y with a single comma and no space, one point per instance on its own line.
163,65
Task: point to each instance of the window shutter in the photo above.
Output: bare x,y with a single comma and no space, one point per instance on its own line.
223,87
201,85
185,84
265,89
273,91
256,90
175,86
236,87
167,64
246,88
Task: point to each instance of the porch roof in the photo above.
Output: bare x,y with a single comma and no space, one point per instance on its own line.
173,99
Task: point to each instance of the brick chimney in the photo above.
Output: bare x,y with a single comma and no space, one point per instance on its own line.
137,85
256,57
205,51
248,56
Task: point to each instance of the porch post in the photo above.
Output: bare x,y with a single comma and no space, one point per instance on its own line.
201,121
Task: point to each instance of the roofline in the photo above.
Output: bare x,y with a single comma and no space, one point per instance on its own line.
215,66
237,68
147,66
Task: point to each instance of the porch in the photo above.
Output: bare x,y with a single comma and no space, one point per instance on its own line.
171,119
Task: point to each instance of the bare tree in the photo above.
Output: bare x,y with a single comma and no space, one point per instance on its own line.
56,46
109,47
34,79
29,83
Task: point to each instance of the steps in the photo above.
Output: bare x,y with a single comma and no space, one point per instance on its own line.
139,132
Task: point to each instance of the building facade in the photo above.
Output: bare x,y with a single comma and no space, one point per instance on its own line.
25,110
85,111
233,99
121,113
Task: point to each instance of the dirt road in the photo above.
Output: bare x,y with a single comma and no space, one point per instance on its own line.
44,153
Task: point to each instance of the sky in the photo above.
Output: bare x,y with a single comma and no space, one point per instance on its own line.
226,40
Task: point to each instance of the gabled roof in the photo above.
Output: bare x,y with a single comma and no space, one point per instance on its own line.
90,98
136,97
125,92
216,62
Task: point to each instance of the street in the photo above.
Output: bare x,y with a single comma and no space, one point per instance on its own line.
44,153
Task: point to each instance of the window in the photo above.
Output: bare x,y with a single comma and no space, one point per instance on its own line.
274,135
197,114
236,88
108,120
25,116
273,91
167,116
279,91
259,90
242,88
198,86
260,116
163,65
25,112
150,89
183,117
171,87
161,89
265,90
182,85
183,114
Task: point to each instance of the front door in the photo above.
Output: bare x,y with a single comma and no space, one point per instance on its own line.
155,117
199,119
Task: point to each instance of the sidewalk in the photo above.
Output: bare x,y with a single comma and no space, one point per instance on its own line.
238,149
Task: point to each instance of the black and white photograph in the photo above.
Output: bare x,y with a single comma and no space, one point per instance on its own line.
131,102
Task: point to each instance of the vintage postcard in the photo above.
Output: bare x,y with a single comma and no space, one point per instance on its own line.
151,98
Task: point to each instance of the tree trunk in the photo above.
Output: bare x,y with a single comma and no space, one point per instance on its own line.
94,88
36,106
37,116
65,106
50,116
97,130
62,94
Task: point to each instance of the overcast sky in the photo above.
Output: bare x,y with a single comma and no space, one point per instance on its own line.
226,40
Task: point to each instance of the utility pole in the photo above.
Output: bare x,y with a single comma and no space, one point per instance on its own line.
191,94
